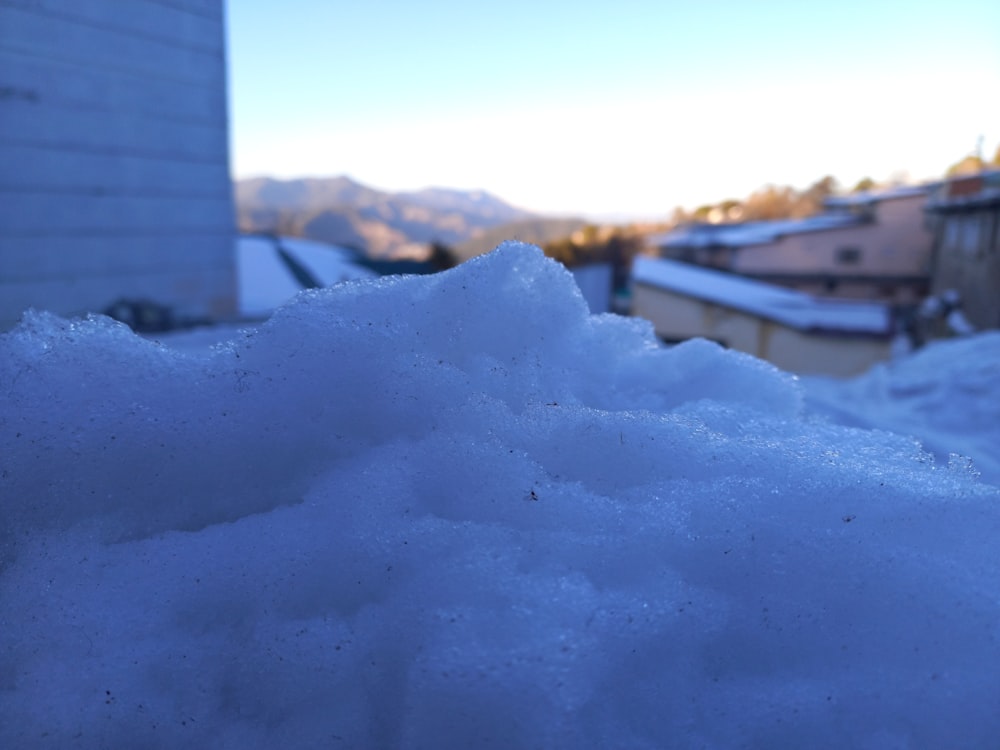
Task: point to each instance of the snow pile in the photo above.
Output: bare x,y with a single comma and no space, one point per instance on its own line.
947,395
457,511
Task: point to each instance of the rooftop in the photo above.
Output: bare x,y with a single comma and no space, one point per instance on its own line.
967,192
839,215
751,232
868,197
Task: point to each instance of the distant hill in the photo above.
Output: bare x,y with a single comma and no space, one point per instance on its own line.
344,212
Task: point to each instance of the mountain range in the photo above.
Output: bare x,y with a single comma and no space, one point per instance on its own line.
344,212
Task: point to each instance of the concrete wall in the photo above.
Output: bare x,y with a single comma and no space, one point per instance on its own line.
114,145
676,317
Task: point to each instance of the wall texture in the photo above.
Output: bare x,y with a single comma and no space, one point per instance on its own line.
114,152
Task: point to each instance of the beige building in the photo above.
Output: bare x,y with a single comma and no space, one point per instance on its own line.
873,245
966,257
795,331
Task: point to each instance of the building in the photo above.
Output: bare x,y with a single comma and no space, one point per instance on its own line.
795,331
966,250
114,144
871,245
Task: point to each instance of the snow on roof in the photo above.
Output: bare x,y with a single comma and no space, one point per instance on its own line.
751,232
868,197
700,235
967,192
982,199
266,282
793,309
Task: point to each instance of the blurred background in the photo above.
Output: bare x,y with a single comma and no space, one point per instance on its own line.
816,185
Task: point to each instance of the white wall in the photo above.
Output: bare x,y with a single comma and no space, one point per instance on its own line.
595,283
114,153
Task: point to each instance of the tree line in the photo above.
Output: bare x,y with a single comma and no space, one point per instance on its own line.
773,202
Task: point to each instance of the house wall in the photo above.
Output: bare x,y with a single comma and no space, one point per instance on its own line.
114,145
894,261
967,259
676,317
838,356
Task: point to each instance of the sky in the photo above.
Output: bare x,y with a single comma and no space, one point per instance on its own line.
611,110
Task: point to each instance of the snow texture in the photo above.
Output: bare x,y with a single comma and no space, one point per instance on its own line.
946,395
459,511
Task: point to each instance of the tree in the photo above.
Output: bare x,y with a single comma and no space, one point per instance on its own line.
595,244
864,184
811,201
971,164
441,256
770,202
701,213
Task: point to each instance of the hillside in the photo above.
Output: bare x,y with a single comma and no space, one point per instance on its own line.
342,211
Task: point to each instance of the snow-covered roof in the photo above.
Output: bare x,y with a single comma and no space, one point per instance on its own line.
967,192
751,232
266,281
703,235
793,309
988,197
868,197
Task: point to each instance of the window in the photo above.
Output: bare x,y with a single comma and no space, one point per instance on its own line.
848,256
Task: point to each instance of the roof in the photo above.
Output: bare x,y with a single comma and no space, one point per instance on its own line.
751,232
868,197
272,270
704,235
795,310
967,192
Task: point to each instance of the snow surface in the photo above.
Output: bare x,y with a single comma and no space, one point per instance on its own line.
459,511
946,395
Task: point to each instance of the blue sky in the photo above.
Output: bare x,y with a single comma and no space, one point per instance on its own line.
611,110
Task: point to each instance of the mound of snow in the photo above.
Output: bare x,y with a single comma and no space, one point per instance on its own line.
458,510
947,395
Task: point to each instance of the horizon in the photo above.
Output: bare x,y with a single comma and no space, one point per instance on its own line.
607,219
569,111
